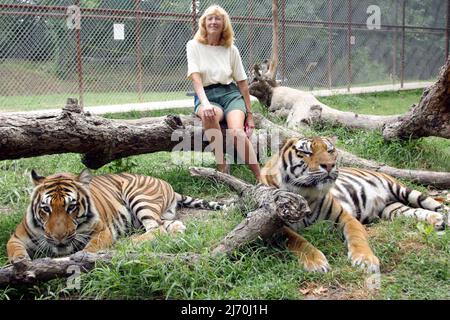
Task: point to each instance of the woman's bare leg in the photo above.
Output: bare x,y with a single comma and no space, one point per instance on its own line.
235,122
214,135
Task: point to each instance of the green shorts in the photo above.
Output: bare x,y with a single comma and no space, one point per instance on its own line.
226,97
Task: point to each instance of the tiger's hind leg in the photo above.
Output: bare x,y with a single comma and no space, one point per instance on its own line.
149,215
311,258
169,221
155,223
398,209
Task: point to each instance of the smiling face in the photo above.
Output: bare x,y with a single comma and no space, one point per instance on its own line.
214,24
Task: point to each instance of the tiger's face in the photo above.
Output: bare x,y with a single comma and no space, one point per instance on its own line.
59,207
309,163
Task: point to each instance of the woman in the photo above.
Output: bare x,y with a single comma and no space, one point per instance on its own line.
213,63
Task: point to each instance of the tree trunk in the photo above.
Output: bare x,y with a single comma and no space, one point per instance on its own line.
433,178
303,109
430,117
275,207
101,140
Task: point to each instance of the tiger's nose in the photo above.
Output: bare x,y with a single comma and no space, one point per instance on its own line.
327,166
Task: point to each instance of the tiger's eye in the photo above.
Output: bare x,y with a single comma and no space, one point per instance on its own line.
46,209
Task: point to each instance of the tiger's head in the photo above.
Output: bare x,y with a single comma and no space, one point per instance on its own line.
60,210
305,164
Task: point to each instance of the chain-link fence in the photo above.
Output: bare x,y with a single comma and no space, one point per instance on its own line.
127,51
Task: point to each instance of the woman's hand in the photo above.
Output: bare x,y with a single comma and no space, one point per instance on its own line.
208,112
249,125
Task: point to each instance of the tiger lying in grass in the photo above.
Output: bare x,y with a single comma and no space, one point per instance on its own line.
69,213
348,196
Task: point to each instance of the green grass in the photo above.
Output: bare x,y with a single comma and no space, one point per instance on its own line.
379,103
414,260
91,99
430,153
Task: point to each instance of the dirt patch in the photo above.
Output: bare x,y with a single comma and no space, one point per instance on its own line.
442,196
5,210
201,214
192,213
315,291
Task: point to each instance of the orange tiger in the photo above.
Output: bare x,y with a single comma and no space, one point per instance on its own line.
348,196
71,212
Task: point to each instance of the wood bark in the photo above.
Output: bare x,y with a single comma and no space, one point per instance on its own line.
274,208
437,179
430,117
303,109
101,140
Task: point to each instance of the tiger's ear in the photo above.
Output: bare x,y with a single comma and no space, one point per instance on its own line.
85,176
35,178
288,142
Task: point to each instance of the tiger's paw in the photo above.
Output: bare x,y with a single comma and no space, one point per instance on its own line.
19,261
314,262
437,220
176,227
148,235
21,264
365,260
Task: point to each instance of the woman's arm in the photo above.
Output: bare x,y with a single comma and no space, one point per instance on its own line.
208,110
243,88
249,122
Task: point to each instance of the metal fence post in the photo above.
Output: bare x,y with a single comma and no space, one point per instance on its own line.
394,46
139,48
447,31
402,73
330,18
349,46
250,35
79,61
194,17
283,41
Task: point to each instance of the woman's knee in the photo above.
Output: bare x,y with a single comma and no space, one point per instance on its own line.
210,121
236,134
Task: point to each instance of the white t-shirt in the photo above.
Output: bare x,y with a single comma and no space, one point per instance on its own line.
216,64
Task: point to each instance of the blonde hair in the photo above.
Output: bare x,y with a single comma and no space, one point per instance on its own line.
227,38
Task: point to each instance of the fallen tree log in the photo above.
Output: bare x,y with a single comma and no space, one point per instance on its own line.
303,109
430,117
274,208
101,140
433,178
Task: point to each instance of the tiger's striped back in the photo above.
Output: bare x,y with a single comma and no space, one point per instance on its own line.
124,200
